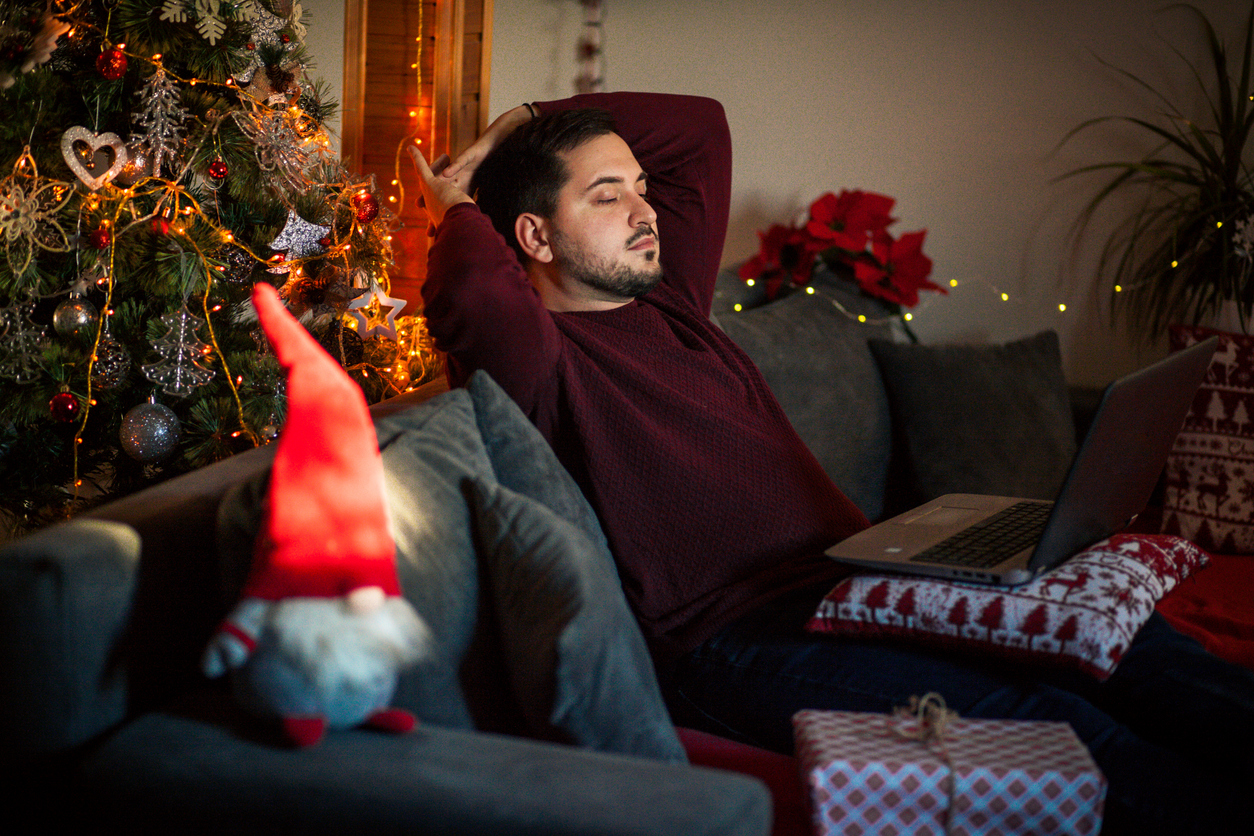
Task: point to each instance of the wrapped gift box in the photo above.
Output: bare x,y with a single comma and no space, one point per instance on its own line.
867,775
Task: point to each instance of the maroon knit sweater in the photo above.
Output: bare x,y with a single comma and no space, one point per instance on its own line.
711,503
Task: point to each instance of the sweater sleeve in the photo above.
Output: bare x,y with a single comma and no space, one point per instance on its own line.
683,143
483,312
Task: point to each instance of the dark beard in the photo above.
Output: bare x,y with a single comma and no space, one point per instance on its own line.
620,282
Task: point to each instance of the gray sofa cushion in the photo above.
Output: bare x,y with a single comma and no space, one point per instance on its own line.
814,356
990,419
525,463
203,770
65,594
429,454
432,456
578,665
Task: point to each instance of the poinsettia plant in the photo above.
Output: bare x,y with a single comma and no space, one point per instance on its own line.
848,230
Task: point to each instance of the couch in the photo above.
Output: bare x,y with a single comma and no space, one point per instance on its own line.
103,618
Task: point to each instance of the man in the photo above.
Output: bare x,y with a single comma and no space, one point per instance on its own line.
582,283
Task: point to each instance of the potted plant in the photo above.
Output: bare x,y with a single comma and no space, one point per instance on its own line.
1187,251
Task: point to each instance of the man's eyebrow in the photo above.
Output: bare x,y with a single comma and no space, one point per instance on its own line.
601,181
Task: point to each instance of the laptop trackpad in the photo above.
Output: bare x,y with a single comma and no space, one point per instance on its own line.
945,515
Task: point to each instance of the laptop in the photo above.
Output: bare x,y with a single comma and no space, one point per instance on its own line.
1011,540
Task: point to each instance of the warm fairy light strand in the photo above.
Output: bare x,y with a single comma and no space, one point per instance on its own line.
909,316
176,203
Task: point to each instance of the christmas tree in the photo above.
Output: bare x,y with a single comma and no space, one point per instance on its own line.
157,158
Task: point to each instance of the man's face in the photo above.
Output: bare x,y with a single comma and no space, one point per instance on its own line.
604,230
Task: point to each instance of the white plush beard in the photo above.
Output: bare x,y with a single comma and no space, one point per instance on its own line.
333,646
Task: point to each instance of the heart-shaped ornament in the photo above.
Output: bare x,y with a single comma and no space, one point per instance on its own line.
94,158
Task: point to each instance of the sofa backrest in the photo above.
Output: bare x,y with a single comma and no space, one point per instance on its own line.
812,350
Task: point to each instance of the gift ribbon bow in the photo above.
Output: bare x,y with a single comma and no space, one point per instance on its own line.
931,718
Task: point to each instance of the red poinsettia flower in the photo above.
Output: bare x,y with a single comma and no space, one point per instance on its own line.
898,271
849,219
786,253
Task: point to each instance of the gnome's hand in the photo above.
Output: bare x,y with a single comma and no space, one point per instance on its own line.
235,639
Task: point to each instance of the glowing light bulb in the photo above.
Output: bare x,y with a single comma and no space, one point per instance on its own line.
1005,297
1062,307
862,317
953,282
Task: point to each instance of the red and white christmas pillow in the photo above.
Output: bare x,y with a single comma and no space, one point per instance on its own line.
1083,613
1209,490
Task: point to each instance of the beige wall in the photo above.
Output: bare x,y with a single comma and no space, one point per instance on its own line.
952,106
325,41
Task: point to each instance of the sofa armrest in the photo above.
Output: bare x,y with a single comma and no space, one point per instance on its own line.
65,598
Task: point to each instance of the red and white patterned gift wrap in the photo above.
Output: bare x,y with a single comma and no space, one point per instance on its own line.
1083,613
1009,777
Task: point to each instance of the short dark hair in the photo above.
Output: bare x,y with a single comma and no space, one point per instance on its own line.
525,172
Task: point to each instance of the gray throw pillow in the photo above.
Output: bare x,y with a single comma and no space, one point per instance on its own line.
525,463
987,419
578,665
430,454
812,351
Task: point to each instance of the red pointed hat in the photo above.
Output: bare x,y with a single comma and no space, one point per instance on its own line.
325,527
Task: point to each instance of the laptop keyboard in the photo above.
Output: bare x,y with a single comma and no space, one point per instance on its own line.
993,540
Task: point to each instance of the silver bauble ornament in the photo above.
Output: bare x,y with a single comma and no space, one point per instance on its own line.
149,432
75,317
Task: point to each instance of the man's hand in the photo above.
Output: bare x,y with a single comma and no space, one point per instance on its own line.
462,169
439,193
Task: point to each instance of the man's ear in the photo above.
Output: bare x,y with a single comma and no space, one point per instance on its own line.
534,236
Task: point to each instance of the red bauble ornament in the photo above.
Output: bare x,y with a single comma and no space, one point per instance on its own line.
111,63
63,407
324,241
218,169
366,206
161,225
100,238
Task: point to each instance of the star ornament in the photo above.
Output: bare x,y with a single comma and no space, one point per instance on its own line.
369,305
299,238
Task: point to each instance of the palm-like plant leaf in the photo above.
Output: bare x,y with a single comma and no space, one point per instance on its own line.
1174,257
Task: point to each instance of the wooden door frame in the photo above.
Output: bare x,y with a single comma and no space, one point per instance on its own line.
447,83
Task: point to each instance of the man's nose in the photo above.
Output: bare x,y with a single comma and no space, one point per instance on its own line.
642,212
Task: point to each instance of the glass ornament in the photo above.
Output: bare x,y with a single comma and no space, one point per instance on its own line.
64,407
75,317
149,432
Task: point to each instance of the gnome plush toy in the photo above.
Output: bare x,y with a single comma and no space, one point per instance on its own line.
321,631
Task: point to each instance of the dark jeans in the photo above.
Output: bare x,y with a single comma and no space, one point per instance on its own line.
1172,729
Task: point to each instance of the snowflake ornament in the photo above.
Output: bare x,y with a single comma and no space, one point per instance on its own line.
282,141
28,213
211,17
